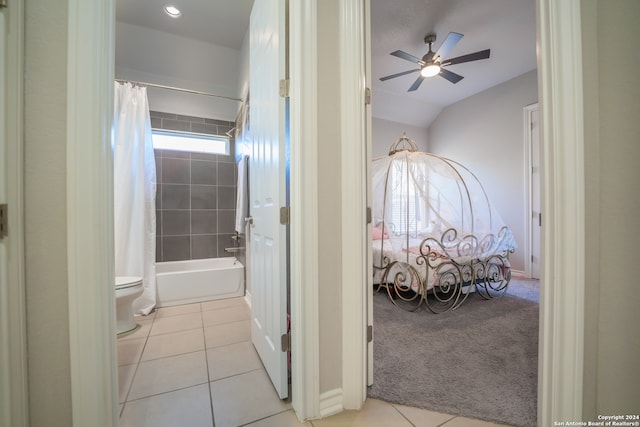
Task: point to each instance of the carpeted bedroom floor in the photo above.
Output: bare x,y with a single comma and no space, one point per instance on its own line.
478,361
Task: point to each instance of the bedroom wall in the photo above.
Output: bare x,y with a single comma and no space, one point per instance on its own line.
386,132
485,133
612,103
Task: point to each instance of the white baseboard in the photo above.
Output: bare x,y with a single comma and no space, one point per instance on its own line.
518,274
331,402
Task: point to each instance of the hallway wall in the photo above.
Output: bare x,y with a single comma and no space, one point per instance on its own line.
612,103
46,214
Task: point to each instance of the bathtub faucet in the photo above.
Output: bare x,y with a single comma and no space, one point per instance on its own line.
234,249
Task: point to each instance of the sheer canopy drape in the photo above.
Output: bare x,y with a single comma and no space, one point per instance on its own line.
134,191
419,195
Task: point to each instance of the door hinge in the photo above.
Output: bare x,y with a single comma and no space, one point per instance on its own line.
367,96
284,215
284,88
285,342
369,215
369,333
3,3
4,222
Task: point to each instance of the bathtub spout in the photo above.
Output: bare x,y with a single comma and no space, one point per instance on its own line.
235,249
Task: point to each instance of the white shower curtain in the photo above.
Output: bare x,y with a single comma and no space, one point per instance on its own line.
134,191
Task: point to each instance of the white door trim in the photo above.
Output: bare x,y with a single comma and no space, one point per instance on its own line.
90,212
354,202
14,394
527,112
305,323
561,344
561,352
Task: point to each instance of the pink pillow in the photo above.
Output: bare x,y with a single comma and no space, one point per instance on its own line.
377,233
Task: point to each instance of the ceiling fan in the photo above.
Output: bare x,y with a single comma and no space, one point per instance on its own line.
433,64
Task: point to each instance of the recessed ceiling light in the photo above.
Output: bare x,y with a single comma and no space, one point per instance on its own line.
172,11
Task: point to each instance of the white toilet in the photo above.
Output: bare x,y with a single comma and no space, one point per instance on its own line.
127,290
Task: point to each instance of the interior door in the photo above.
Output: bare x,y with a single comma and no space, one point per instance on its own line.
536,220
267,193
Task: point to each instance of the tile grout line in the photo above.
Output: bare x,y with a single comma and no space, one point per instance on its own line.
235,375
449,420
401,414
264,418
206,360
135,371
165,392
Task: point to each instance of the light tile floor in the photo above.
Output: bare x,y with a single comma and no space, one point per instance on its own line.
194,365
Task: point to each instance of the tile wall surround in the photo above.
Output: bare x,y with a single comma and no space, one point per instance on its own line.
196,194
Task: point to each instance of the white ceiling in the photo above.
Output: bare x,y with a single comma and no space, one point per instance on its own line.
221,22
507,27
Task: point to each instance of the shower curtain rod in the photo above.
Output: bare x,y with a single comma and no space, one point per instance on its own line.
179,89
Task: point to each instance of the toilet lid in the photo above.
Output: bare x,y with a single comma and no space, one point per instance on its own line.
127,281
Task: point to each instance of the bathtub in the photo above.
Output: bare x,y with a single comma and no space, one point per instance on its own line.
185,282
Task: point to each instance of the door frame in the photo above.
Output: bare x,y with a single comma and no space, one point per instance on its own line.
14,393
355,239
562,291
92,327
90,249
303,128
561,348
528,185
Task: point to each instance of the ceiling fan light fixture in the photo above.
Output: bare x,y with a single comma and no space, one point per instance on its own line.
430,70
172,11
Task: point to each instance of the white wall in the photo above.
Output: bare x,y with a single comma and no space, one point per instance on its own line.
485,133
243,74
147,55
386,132
45,219
329,198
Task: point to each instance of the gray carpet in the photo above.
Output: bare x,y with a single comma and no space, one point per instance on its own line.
478,361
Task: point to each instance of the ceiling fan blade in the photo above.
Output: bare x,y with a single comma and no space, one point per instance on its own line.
398,74
448,44
451,76
408,57
416,84
482,54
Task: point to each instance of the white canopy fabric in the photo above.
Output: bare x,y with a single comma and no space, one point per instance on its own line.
417,195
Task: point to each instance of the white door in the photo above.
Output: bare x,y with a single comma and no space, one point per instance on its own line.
536,213
267,191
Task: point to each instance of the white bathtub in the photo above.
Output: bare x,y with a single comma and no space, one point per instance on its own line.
185,282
